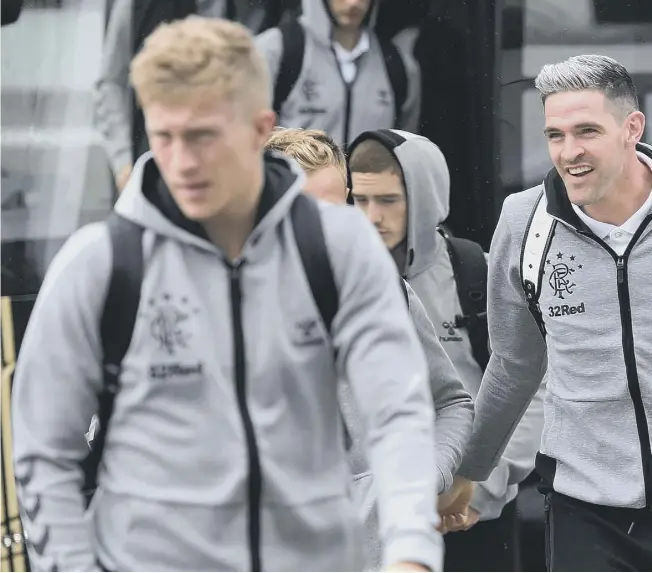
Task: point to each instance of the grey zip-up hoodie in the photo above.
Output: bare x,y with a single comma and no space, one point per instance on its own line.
454,419
216,347
321,99
426,264
113,114
598,355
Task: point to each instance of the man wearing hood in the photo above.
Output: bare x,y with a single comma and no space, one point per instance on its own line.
317,154
344,83
401,181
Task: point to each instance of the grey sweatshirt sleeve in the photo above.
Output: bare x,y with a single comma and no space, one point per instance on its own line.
270,47
518,361
516,462
380,354
411,112
57,379
112,95
453,404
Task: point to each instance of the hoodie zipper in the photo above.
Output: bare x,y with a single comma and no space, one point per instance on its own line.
348,94
633,382
254,485
347,111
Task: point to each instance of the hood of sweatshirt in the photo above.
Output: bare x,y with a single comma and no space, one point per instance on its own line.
319,19
427,188
147,201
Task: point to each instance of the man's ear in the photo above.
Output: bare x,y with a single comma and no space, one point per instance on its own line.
264,123
635,125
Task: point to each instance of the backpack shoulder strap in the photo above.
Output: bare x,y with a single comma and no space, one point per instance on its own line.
536,243
470,272
397,74
309,235
294,44
116,328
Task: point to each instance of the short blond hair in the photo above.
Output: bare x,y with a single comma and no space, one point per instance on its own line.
313,149
200,53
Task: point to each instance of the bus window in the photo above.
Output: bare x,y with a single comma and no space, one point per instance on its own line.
55,176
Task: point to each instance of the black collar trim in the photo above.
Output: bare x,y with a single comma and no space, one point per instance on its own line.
278,179
559,205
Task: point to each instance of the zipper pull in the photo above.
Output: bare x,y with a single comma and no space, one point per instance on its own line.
620,266
236,269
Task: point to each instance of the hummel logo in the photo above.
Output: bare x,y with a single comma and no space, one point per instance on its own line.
306,327
453,335
309,334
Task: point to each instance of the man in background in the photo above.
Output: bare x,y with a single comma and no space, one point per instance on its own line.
329,70
117,116
401,181
319,156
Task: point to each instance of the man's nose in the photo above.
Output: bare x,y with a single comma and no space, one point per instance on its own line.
374,212
184,159
571,150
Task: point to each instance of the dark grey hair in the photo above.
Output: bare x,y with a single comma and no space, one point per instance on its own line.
589,72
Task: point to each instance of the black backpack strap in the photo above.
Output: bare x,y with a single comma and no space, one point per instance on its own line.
398,79
294,43
470,271
116,329
309,235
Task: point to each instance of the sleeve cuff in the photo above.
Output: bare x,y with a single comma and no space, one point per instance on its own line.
426,549
481,500
476,474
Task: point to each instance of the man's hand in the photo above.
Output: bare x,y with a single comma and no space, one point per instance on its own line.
472,519
452,523
454,505
122,177
406,566
457,498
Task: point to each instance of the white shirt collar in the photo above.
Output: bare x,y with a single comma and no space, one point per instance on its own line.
360,48
630,226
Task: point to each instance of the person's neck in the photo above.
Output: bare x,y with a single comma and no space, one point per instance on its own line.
347,38
230,229
628,196
399,254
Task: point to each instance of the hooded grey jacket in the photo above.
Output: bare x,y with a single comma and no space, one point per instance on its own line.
227,417
426,265
454,419
321,99
598,404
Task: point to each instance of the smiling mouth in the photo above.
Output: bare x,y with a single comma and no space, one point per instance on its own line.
580,171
